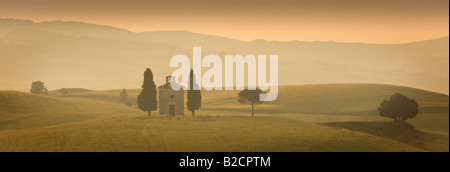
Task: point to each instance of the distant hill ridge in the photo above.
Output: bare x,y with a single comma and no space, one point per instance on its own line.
99,30
82,122
51,46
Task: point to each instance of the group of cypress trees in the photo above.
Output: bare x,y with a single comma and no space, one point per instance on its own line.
399,107
147,98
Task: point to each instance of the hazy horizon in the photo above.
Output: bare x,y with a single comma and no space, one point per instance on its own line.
52,46
256,39
382,21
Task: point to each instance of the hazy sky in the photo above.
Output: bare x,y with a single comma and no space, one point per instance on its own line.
372,21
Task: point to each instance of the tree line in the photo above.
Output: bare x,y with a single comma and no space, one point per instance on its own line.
147,98
399,107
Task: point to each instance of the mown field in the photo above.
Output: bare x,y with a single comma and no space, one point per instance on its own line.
338,117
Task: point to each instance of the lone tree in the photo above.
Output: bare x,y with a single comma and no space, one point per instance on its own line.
194,97
250,97
123,96
399,107
63,91
38,87
147,98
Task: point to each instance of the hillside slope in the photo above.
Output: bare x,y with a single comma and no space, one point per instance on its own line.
404,133
338,103
23,110
348,99
88,120
65,47
205,133
317,103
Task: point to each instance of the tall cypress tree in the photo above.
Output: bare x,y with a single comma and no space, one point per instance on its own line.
147,98
194,97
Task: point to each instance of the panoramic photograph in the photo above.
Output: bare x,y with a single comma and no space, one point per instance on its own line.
224,76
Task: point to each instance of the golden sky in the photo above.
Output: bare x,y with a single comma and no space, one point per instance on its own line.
370,21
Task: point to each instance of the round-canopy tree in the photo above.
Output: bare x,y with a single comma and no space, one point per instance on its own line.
250,97
399,107
38,87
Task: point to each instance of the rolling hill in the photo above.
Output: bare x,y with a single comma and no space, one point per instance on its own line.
305,117
317,103
311,99
202,133
23,110
89,120
71,90
66,47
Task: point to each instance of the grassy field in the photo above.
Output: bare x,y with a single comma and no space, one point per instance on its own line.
22,110
404,133
202,133
339,117
317,103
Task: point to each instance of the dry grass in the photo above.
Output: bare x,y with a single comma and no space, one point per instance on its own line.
201,133
96,121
